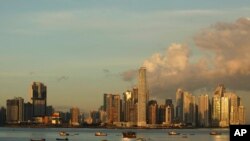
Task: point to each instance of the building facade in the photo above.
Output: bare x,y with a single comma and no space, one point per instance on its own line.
75,113
15,110
142,97
203,111
39,99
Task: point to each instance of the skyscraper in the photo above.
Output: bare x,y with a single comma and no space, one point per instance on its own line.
116,110
169,115
220,90
189,108
224,122
216,110
179,105
152,112
15,110
39,99
142,97
242,115
203,111
2,116
111,105
128,105
107,104
169,111
74,111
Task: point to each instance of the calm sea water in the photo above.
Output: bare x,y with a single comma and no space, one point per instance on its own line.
83,134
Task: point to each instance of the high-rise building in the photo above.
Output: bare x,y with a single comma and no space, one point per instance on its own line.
2,116
169,111
203,111
15,110
224,122
216,110
74,111
161,114
128,105
95,115
234,103
28,111
242,115
116,108
220,90
152,112
111,105
169,116
179,105
107,104
142,97
39,99
189,109
185,107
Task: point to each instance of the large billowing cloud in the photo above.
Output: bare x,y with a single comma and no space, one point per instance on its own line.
224,58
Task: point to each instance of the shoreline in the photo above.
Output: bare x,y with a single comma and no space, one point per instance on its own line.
101,127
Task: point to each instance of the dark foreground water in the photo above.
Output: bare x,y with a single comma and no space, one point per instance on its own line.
83,134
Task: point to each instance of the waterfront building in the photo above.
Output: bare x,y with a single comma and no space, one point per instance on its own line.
2,116
112,107
74,111
203,111
161,114
216,110
116,108
127,105
224,122
185,108
95,115
169,111
189,109
142,97
107,104
39,99
169,116
234,103
152,112
179,105
103,116
49,110
242,115
219,90
15,110
28,112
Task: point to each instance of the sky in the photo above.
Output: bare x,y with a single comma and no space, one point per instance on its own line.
83,49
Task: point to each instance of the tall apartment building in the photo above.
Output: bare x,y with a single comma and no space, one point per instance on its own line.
112,107
38,93
152,112
15,110
142,97
203,111
75,113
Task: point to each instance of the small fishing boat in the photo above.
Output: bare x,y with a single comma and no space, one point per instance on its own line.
129,134
100,134
62,139
215,133
37,139
63,133
173,133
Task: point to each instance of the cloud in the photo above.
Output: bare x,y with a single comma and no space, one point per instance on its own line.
106,71
62,78
224,49
129,75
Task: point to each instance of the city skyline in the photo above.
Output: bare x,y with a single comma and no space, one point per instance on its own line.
223,109
81,50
